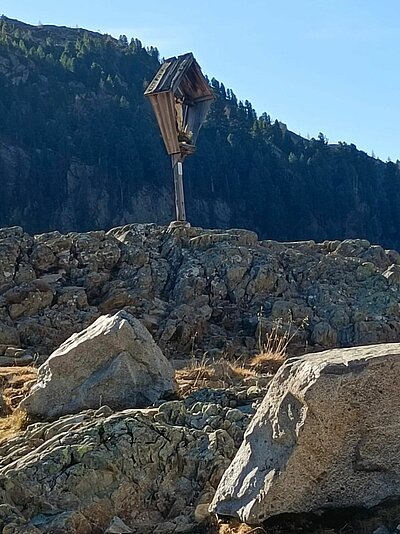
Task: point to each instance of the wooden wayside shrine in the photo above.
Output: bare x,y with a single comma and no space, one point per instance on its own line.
181,97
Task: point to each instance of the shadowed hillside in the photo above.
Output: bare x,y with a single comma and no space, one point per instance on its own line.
80,149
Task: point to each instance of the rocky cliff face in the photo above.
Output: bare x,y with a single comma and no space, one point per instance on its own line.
197,290
83,196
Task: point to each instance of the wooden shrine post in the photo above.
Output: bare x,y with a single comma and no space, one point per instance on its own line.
181,97
178,186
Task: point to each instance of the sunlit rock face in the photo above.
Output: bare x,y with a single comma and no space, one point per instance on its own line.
325,437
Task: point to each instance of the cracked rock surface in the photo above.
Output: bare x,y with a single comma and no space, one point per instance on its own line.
196,290
151,468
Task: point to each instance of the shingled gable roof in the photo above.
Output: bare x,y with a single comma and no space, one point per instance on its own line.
180,82
181,75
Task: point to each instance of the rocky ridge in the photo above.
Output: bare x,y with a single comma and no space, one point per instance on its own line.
196,290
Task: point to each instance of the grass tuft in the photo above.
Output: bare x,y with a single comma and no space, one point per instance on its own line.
12,424
205,374
15,383
239,528
274,348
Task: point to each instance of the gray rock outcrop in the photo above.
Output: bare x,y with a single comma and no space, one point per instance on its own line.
326,436
150,467
115,361
197,290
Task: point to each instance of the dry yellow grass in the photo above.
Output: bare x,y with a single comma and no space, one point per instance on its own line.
218,374
274,347
273,352
15,383
267,362
12,424
239,528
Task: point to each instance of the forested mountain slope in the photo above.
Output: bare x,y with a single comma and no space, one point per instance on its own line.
80,149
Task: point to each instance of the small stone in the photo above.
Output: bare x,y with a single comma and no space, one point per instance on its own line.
8,335
242,396
392,274
211,409
196,408
103,411
234,415
201,513
6,361
160,417
14,352
117,526
165,528
253,392
364,271
226,425
324,335
216,422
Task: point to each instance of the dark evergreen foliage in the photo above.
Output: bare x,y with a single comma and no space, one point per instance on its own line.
70,96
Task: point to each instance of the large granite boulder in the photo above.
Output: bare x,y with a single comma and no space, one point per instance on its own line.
325,436
115,361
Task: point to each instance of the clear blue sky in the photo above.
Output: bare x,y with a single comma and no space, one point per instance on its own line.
317,65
